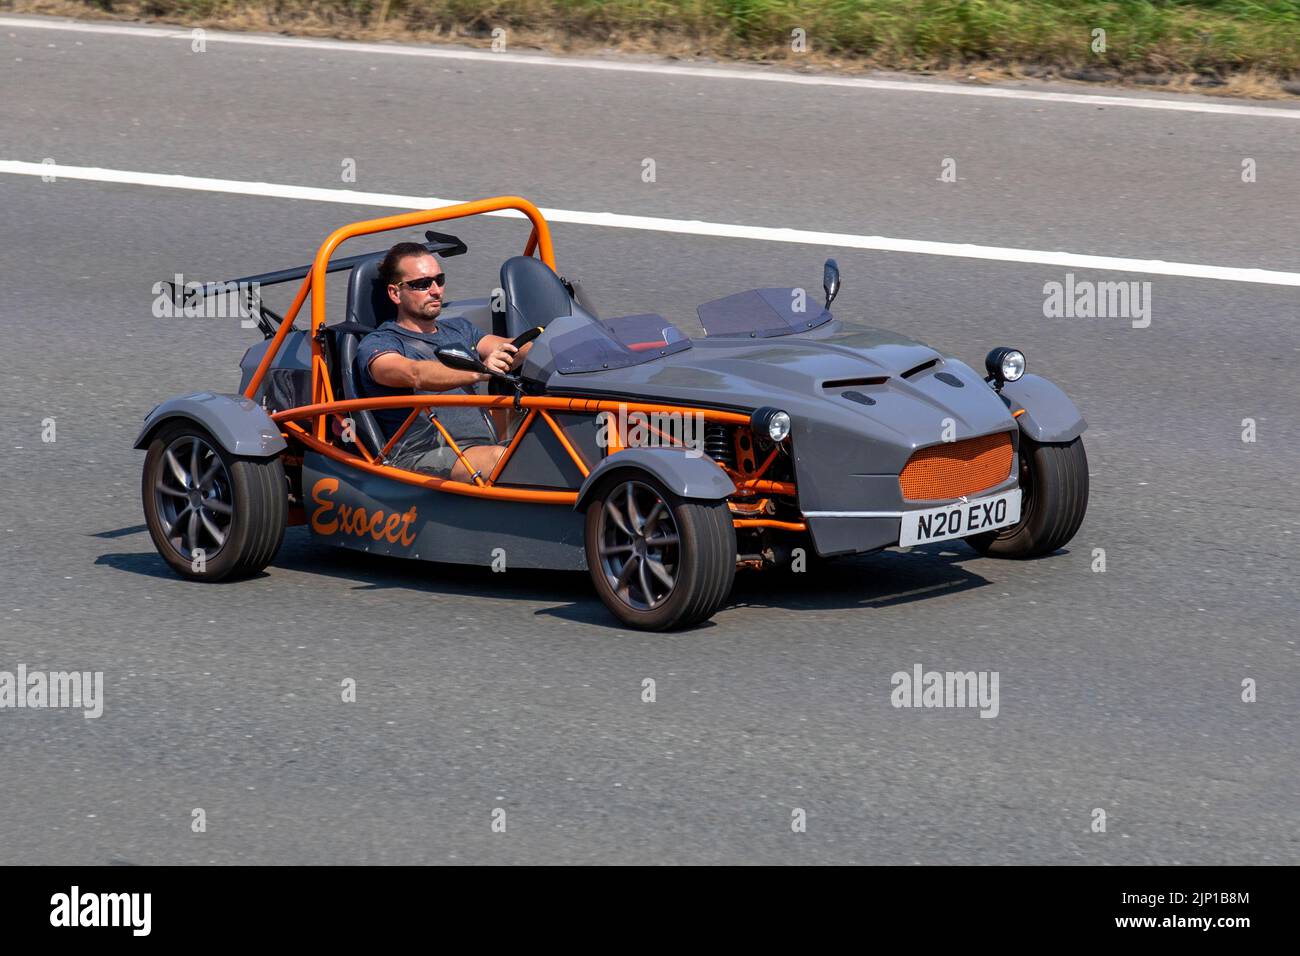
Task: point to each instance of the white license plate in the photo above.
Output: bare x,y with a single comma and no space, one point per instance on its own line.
960,519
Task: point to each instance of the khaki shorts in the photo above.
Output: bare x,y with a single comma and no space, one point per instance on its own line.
428,452
437,461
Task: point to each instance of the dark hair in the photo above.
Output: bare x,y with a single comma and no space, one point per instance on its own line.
388,271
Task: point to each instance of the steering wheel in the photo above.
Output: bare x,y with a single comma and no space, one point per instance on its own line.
520,341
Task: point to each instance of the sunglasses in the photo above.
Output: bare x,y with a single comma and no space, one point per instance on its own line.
424,283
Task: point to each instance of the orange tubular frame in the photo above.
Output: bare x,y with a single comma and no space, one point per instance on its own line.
769,523
537,406
307,424
540,238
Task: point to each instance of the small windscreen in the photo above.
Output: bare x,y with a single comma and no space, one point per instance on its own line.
617,343
760,313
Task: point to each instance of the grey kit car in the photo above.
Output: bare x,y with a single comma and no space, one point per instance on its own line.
657,462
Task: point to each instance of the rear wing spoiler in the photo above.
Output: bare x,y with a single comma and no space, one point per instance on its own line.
439,243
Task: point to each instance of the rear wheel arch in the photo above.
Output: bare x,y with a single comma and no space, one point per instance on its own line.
239,425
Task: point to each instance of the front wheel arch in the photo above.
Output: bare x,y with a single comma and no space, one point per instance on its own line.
699,561
1054,485
687,476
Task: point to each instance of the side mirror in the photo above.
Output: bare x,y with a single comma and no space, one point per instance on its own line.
831,281
461,360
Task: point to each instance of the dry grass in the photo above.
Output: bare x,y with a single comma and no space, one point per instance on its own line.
693,38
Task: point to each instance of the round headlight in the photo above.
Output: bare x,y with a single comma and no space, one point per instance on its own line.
1005,365
772,422
778,426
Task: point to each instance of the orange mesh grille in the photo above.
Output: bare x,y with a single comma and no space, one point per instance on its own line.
958,468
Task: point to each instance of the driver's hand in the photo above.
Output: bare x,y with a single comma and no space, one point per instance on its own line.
501,358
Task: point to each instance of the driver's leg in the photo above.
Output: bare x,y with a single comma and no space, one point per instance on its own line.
483,457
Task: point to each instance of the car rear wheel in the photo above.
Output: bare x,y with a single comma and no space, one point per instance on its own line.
211,515
658,561
1054,499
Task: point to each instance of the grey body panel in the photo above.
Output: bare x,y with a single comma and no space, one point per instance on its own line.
833,536
240,426
288,381
540,461
583,432
870,530
840,445
1049,415
689,477
451,528
861,402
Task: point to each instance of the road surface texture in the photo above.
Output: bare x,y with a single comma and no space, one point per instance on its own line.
1120,690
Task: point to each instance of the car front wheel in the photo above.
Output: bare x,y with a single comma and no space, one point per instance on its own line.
658,561
1054,499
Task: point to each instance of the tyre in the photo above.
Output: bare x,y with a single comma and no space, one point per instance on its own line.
1054,499
211,515
658,561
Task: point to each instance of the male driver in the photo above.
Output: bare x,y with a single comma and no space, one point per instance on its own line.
398,358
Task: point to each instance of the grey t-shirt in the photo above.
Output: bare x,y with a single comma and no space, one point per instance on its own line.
468,426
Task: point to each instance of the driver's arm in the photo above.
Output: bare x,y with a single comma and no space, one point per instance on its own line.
398,371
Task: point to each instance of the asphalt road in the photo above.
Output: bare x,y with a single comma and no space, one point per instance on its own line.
1119,690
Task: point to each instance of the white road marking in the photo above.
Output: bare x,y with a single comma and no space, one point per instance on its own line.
691,227
661,69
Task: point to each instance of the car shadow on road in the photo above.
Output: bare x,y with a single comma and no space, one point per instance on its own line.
121,532
369,572
880,580
373,572
149,564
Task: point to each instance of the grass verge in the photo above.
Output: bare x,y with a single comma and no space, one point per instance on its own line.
1241,47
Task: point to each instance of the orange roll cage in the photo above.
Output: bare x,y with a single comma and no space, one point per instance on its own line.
307,424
